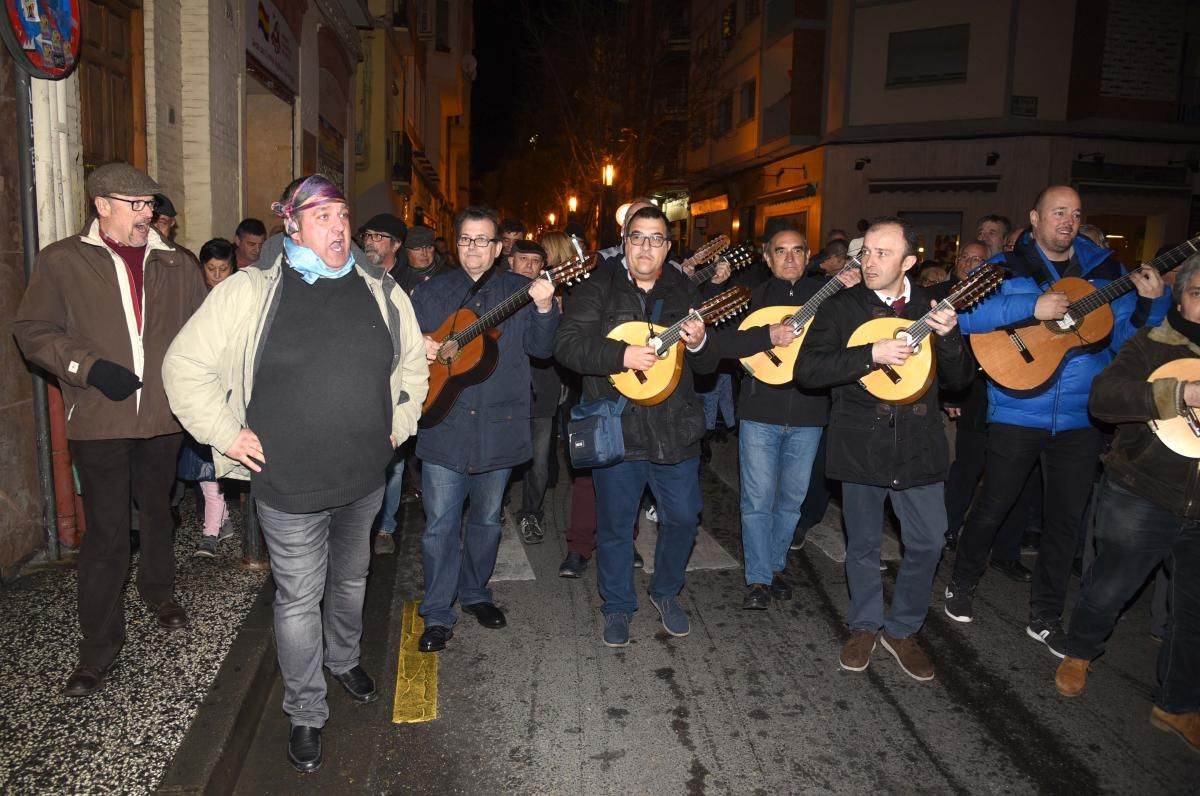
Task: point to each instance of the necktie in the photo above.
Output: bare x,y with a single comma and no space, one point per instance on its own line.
898,305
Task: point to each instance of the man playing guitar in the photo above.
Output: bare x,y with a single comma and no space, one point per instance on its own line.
662,442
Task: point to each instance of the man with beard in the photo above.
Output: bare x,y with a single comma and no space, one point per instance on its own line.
100,311
1050,423
303,375
382,238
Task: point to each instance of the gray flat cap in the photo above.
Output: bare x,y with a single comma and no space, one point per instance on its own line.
121,178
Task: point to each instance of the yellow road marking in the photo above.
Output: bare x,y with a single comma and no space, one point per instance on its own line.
416,674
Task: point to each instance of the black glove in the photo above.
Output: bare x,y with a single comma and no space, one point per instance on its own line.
115,381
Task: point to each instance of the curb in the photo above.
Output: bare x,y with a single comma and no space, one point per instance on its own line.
214,749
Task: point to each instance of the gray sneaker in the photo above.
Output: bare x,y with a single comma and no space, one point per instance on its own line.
531,530
674,618
226,531
207,547
385,545
616,629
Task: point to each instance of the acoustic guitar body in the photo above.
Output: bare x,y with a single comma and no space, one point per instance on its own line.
655,385
1176,433
896,384
472,365
1026,357
775,365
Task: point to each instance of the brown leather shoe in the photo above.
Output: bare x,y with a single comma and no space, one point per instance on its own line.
1071,676
170,614
1185,725
909,655
84,681
856,652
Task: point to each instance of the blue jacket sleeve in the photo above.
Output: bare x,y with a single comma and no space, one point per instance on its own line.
540,329
1131,312
1013,303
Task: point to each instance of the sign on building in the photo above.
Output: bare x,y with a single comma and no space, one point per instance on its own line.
270,41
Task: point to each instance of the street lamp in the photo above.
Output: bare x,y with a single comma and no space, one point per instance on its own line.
572,204
551,218
609,173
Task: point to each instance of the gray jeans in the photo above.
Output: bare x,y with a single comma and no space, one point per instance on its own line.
315,557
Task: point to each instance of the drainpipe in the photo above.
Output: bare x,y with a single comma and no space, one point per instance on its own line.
29,243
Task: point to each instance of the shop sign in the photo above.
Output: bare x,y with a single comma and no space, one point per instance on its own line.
43,36
270,41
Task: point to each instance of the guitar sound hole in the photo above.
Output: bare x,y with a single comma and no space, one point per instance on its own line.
448,352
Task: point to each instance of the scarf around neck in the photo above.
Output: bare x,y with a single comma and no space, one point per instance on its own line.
309,265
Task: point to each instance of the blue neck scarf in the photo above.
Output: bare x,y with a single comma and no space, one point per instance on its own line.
309,265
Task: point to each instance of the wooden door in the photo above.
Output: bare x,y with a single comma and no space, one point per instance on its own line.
109,81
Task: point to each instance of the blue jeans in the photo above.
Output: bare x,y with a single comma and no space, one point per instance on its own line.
922,513
1133,536
619,488
319,562
458,566
775,463
719,399
385,522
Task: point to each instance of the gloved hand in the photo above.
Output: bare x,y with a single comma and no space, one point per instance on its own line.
115,381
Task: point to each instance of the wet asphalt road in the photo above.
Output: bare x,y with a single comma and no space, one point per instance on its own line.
748,703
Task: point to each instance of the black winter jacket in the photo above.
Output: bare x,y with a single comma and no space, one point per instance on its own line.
1137,460
784,405
666,433
872,442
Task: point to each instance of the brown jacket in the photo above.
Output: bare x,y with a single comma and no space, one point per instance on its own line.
1121,394
77,310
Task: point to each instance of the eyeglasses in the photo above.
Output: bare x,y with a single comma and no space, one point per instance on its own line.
375,237
970,258
136,204
478,241
656,240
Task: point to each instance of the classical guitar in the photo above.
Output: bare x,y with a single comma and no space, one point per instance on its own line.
903,384
777,365
737,257
655,385
470,344
1180,434
1026,355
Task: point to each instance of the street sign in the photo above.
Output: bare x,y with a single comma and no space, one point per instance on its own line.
43,36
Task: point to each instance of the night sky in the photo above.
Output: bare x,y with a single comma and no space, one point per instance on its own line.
504,76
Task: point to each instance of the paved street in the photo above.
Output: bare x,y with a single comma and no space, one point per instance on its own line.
748,703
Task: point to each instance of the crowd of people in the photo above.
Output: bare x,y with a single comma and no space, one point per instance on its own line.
300,362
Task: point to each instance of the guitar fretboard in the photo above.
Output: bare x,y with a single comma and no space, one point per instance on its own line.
809,311
1119,287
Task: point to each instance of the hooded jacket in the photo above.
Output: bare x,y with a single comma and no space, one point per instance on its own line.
78,309
1062,403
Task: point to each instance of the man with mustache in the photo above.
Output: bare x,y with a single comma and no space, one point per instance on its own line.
1051,423
304,374
100,311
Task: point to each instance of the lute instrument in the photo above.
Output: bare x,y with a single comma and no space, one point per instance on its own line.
903,384
1180,434
655,385
737,257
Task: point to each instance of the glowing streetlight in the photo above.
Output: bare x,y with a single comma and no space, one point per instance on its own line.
551,218
609,173
572,204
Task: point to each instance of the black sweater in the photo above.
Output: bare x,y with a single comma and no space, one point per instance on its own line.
322,403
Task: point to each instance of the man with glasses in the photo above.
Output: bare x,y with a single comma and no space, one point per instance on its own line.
100,311
473,450
662,442
382,238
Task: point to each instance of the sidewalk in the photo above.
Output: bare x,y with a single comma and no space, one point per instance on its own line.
122,739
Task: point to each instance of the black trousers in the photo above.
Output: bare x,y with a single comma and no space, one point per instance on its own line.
970,455
110,473
816,500
1069,460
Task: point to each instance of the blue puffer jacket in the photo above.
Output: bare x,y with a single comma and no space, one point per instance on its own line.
1061,404
488,427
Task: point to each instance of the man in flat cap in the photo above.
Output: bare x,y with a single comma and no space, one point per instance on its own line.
382,238
424,262
100,311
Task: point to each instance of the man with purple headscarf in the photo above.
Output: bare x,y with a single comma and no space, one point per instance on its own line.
288,373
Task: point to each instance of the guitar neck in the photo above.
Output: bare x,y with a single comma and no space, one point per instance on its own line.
494,316
702,275
809,311
673,333
1119,287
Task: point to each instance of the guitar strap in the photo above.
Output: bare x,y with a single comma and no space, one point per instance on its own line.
480,282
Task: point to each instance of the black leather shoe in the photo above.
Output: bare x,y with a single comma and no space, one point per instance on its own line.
85,681
358,685
1013,570
486,614
434,638
170,614
780,588
304,749
573,566
757,598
